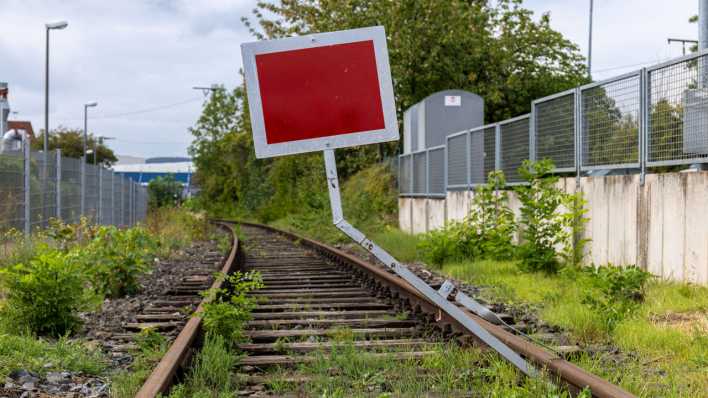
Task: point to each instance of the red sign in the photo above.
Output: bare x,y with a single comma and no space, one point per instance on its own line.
321,91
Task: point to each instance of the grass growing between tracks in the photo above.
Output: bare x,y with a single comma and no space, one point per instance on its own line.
446,370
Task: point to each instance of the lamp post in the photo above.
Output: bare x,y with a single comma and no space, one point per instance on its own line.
86,106
48,27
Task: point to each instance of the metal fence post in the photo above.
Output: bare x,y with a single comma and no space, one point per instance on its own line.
644,104
468,157
26,183
578,125
497,147
58,185
82,171
532,134
99,211
113,198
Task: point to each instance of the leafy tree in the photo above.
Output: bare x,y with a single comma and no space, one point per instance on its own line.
164,191
70,141
494,49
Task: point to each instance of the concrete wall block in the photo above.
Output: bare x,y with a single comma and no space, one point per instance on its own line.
458,204
404,215
419,219
673,202
436,214
696,252
653,194
621,199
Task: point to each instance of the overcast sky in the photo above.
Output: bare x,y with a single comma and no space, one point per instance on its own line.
140,58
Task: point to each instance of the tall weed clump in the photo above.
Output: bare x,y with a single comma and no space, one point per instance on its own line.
489,229
486,232
549,217
115,259
230,309
621,292
44,294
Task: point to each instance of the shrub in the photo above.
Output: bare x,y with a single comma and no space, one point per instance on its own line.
115,259
621,292
440,245
489,228
45,294
546,228
231,308
164,191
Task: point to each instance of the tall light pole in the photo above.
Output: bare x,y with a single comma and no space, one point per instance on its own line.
590,42
48,27
86,106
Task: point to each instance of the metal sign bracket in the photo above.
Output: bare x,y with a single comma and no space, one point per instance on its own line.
439,298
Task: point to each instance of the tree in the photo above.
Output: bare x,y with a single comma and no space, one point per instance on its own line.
70,141
164,191
494,49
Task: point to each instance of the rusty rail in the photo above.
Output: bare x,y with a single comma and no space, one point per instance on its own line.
162,377
573,376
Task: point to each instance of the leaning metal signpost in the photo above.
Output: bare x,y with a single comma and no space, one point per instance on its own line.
334,90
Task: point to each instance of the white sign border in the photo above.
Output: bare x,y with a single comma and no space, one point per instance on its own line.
388,133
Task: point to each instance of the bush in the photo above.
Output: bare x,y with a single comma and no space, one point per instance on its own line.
164,191
489,228
115,259
231,308
45,294
621,292
440,245
546,228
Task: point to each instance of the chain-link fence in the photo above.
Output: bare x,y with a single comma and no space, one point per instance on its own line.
677,114
656,116
554,129
436,171
36,187
611,114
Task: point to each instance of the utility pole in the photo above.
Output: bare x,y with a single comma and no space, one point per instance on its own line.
590,42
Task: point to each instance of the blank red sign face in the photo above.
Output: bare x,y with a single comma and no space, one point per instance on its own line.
319,92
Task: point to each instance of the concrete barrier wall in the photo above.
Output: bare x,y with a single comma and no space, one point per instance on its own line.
661,226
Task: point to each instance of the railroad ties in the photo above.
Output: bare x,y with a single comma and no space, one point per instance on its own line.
165,310
306,301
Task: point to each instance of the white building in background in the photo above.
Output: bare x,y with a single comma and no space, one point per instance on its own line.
143,173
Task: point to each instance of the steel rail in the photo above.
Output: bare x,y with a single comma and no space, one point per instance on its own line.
162,377
573,376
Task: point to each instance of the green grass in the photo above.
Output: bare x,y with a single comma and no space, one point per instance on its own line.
30,353
125,384
211,373
659,359
449,370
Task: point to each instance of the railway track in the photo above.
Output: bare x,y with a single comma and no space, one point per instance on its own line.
312,292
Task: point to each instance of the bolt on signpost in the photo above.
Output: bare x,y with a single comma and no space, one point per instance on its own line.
333,90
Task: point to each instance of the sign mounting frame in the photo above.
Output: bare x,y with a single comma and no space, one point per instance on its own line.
250,52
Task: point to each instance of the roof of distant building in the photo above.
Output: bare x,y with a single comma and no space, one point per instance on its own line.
21,125
176,167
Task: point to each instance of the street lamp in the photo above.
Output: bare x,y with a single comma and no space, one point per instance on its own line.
86,106
48,27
